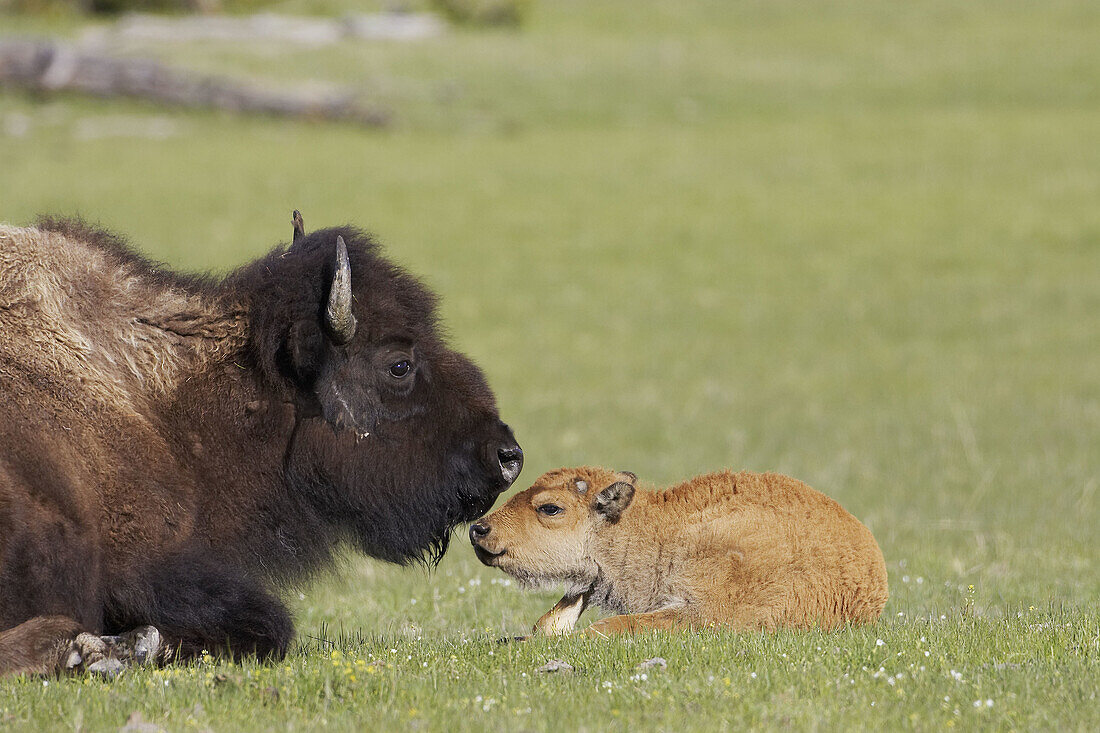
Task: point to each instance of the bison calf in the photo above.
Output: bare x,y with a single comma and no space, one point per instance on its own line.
742,550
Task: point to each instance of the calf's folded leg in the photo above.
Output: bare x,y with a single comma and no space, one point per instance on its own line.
638,623
561,619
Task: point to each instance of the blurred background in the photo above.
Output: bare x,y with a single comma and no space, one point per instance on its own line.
857,242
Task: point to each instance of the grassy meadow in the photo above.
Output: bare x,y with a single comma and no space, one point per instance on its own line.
852,241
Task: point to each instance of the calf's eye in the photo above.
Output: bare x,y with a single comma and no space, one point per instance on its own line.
400,369
550,510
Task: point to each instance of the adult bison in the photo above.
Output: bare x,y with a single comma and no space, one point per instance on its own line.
176,449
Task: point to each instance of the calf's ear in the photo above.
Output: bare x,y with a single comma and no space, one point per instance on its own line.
612,501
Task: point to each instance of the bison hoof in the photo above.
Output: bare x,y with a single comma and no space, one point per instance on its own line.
147,645
73,660
86,649
140,646
107,668
106,656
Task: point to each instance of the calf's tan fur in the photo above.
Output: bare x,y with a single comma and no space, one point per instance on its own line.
741,550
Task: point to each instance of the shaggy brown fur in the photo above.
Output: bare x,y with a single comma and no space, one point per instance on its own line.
744,550
175,450
129,336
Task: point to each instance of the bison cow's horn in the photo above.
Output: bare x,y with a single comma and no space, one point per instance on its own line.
298,225
338,315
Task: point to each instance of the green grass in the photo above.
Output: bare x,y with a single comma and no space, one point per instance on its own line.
856,242
1030,672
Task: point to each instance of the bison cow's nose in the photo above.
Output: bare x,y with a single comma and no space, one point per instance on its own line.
477,531
510,456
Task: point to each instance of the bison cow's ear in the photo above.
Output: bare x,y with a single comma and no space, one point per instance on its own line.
339,319
304,351
612,501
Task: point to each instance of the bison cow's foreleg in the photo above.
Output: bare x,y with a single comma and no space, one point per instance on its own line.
41,645
200,606
53,645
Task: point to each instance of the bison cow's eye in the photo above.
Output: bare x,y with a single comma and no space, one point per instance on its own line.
400,369
550,510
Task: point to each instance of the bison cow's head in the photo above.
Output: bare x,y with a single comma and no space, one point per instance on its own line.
397,437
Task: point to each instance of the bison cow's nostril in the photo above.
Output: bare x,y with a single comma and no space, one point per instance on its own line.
478,530
510,454
511,461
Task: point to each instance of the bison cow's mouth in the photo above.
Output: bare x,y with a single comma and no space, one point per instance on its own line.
480,506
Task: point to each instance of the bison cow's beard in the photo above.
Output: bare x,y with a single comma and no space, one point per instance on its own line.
394,499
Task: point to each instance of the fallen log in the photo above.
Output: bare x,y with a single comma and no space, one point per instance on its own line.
267,28
45,67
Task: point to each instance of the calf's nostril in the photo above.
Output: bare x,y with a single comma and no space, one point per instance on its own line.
478,530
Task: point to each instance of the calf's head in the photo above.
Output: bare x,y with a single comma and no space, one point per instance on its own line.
544,535
397,438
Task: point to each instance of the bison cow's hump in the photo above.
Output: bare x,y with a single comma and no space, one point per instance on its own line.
119,254
77,303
